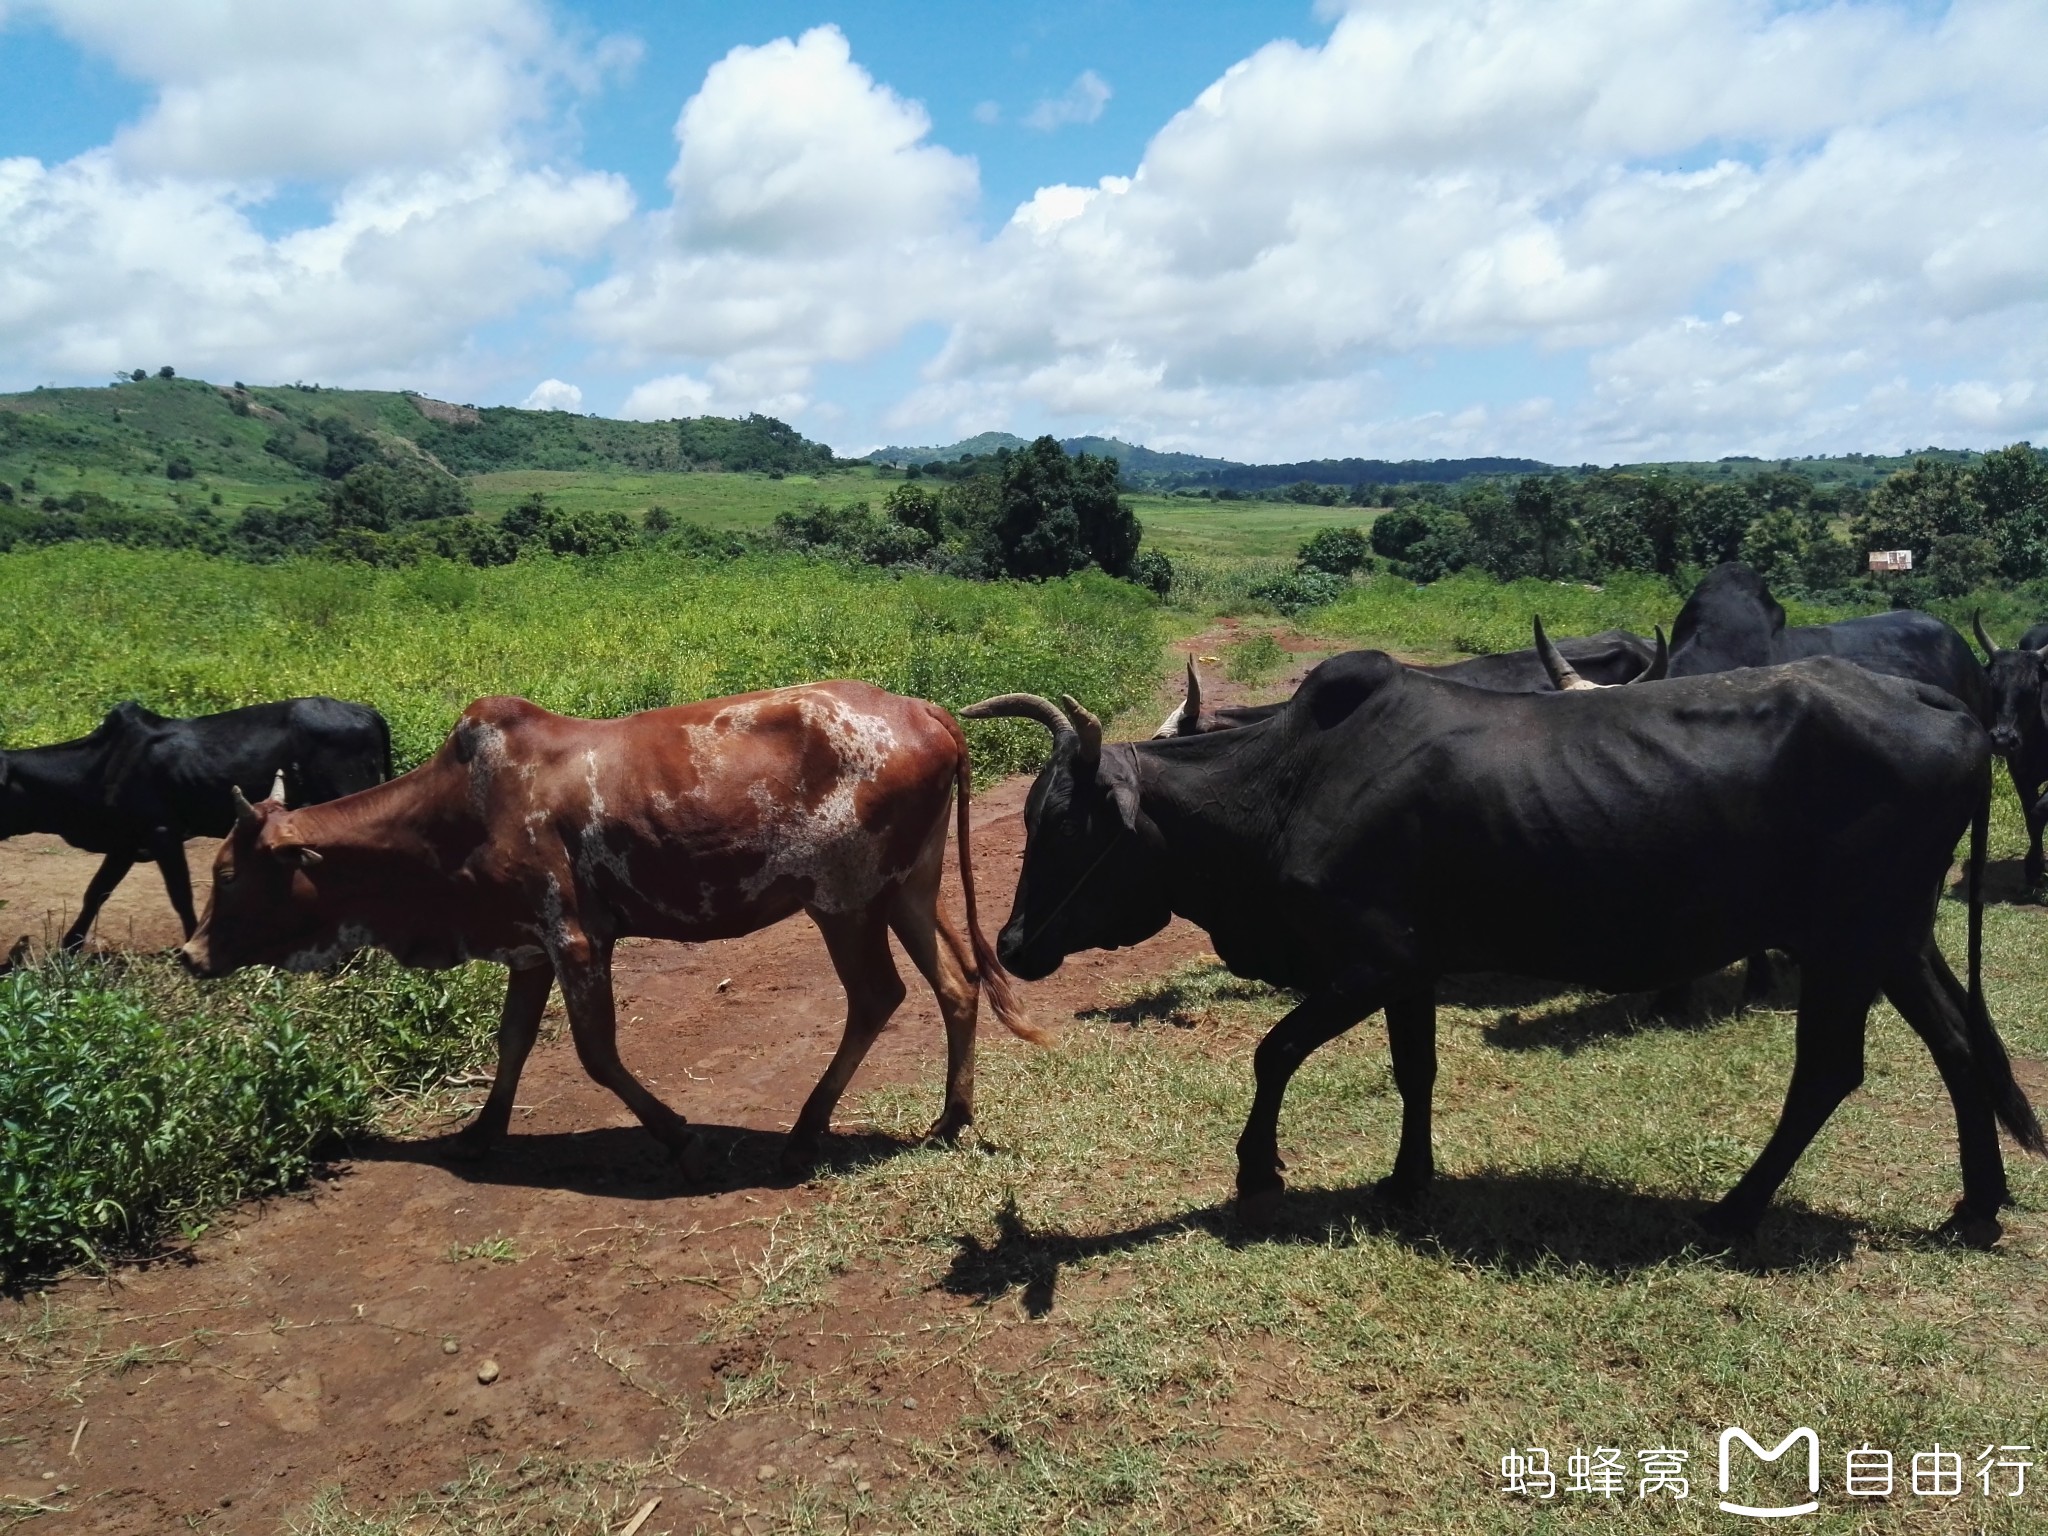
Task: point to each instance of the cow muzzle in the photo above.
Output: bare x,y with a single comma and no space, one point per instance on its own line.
195,954
2005,740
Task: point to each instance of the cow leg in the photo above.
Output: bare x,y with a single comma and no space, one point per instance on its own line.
1759,977
2037,819
110,874
1827,1067
526,999
859,945
1411,1039
1928,997
584,967
936,949
169,853
1318,1019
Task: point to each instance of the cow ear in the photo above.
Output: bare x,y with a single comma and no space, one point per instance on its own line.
1117,775
304,857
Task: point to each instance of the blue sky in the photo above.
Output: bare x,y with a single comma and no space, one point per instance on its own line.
1577,229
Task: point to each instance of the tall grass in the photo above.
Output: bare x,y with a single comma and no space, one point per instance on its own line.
133,1103
83,627
1472,612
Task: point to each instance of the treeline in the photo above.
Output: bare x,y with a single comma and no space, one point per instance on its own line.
1967,525
1036,513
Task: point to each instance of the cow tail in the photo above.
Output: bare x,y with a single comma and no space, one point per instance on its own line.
1987,1051
995,980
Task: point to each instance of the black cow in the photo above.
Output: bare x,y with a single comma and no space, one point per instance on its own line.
1612,656
2019,725
1631,838
140,784
1731,620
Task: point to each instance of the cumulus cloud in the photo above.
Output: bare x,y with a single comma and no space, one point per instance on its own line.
439,219
1584,178
1081,102
326,88
811,221
553,395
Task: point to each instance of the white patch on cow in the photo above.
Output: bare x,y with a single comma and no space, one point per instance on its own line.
1170,726
348,938
486,758
554,919
707,742
826,844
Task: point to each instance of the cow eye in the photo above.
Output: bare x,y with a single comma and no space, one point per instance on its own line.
225,877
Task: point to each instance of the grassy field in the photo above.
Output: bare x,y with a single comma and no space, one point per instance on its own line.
1139,1361
83,627
716,500
1185,525
1152,1366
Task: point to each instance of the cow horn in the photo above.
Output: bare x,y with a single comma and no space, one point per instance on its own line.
1562,677
277,787
1191,708
245,813
1660,663
1977,623
1022,706
1088,728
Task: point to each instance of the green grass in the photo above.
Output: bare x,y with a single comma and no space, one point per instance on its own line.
1362,1369
1474,614
133,1103
83,627
1255,658
1184,525
716,500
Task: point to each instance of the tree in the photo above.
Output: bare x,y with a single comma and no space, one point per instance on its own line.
1059,514
139,375
2012,487
1339,551
167,372
1716,522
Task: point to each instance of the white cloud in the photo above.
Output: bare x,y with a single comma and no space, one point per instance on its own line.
440,222
553,395
811,222
1572,179
1081,102
988,113
327,88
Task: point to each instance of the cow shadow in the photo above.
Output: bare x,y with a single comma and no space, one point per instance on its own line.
1689,1009
625,1163
1513,1224
2005,884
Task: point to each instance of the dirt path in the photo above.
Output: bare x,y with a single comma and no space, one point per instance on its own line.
305,1341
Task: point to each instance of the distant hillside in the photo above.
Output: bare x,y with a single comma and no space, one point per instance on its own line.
140,441
968,447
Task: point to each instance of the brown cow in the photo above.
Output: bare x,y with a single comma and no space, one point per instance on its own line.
538,841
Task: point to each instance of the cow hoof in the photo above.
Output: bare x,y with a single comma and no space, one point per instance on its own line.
799,1158
1399,1190
692,1158
1972,1229
1723,1227
949,1126
1259,1208
472,1144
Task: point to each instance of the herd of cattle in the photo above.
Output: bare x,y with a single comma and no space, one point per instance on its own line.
1755,787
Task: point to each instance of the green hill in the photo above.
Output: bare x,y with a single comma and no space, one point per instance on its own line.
169,444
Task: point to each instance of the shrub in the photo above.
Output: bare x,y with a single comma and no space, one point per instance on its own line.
180,468
133,1103
1153,571
1301,590
1339,551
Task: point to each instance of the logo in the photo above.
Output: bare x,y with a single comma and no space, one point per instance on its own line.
1777,1512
